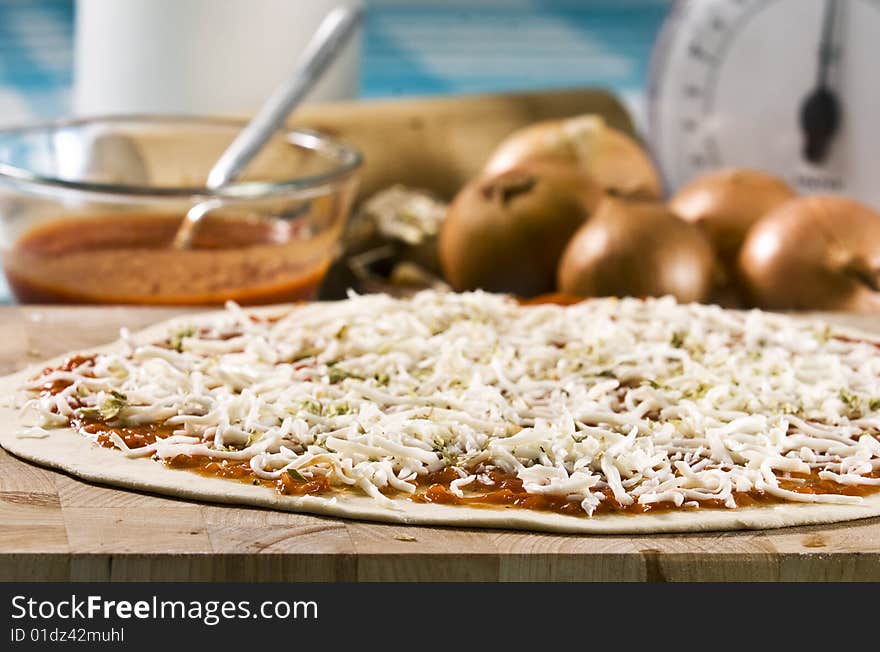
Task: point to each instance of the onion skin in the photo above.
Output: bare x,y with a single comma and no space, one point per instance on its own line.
637,248
726,203
814,253
553,299
505,233
615,160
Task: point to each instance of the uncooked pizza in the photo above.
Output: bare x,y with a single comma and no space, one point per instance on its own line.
471,409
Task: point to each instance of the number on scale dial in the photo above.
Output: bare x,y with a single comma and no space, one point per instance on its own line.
786,86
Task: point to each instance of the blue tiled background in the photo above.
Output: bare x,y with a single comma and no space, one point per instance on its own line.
411,47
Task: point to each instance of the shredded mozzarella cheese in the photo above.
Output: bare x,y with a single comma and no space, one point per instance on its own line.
646,401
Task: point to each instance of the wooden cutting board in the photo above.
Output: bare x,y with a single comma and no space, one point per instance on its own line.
433,143
54,527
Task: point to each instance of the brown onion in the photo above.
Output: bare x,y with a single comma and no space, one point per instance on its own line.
637,248
814,253
726,203
505,233
614,159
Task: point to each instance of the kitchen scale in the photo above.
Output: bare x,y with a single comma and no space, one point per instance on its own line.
791,87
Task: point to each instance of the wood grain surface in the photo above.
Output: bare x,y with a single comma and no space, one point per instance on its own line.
440,143
55,527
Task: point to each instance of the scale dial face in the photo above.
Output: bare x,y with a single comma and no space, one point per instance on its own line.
730,80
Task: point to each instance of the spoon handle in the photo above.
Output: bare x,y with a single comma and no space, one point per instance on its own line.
331,36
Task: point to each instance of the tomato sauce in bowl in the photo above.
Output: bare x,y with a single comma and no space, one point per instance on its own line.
128,258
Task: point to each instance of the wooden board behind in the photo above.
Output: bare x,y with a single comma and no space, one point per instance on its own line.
436,143
440,143
55,527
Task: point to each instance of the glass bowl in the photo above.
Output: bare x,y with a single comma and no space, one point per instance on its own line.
89,209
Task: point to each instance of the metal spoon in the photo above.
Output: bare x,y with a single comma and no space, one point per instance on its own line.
333,33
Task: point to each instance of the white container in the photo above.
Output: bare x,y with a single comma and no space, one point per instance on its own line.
198,56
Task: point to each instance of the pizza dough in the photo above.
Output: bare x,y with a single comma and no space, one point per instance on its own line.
67,450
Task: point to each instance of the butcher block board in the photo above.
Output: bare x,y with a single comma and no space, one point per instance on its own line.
55,527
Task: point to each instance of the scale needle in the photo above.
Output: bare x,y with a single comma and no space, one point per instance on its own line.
820,112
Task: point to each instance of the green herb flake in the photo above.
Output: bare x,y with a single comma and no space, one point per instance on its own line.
852,401
677,340
88,413
112,406
295,475
336,375
308,405
383,379
337,409
176,340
